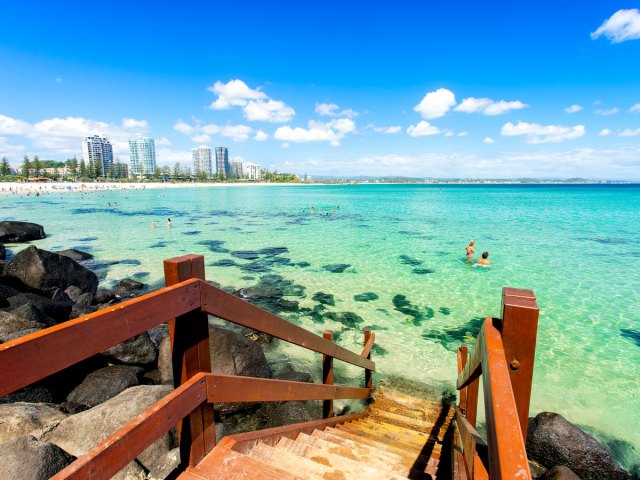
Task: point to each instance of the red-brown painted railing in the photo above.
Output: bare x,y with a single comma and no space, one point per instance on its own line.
185,304
503,355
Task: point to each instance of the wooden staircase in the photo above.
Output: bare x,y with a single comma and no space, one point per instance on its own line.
399,437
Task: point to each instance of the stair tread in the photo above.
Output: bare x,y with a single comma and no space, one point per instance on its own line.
351,468
396,428
413,448
388,431
292,463
225,464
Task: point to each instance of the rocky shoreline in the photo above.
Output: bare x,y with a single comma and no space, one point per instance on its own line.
45,426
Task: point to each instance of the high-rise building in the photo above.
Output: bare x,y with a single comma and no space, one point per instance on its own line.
223,168
252,171
202,161
142,156
236,169
98,153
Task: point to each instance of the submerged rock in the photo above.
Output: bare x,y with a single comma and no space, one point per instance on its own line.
407,260
422,271
27,458
129,285
16,232
324,298
348,319
365,297
336,268
452,337
75,255
403,305
44,272
552,441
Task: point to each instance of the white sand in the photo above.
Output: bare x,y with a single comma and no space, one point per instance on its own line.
21,188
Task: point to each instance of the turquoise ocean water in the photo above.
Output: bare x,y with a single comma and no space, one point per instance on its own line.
577,247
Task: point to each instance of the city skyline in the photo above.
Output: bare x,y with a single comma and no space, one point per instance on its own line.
445,92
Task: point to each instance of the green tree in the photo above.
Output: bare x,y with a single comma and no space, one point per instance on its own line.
83,169
26,166
4,167
36,166
177,173
97,169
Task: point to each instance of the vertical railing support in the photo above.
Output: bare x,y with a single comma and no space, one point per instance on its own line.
327,376
368,381
189,335
519,330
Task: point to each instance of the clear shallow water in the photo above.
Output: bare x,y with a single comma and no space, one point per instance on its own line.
577,247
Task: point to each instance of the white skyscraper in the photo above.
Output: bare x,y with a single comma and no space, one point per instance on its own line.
142,156
97,150
252,171
202,161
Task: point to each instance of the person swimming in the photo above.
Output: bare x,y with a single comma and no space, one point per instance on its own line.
169,224
484,261
470,250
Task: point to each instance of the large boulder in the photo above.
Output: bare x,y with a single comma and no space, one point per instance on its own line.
6,292
59,311
558,473
15,232
3,252
44,272
17,419
75,255
82,431
165,366
10,324
27,458
139,350
101,385
552,441
28,311
34,393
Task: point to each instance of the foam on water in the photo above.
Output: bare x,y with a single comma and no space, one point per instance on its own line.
577,247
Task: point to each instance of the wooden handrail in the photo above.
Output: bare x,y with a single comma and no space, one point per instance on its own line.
226,306
33,357
366,351
121,447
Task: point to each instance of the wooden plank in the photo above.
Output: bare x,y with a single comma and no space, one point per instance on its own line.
519,330
229,388
507,455
327,376
226,306
121,447
473,367
40,354
518,292
190,355
369,340
469,438
463,352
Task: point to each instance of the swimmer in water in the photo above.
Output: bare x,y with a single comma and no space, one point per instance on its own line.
470,250
169,224
153,225
484,260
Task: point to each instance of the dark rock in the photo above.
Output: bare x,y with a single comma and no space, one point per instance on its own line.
337,268
165,366
76,255
365,297
85,300
632,335
303,264
246,254
225,262
348,319
32,313
215,245
21,333
6,292
287,413
407,260
73,292
130,261
559,472
61,296
27,458
59,311
157,334
103,296
103,384
445,310
60,384
269,291
17,419
139,350
273,251
152,377
3,252
294,376
403,305
16,232
81,310
35,393
287,305
11,324
452,337
129,285
324,298
422,271
552,441
43,271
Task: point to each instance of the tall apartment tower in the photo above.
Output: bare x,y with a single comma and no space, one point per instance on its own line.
142,156
202,161
236,168
98,150
223,167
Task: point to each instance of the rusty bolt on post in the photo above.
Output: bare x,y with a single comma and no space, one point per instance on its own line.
515,364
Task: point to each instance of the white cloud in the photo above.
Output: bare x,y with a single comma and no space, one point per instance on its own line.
12,126
163,141
488,106
423,129
449,133
436,104
388,130
463,134
260,136
237,133
331,132
201,138
635,108
257,106
535,133
488,140
573,108
627,132
183,128
133,124
606,112
621,26
333,110
604,132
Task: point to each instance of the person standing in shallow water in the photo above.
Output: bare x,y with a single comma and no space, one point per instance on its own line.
169,224
484,260
470,250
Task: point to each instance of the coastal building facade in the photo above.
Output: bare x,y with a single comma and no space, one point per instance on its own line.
142,156
119,170
252,171
202,163
223,168
98,153
236,169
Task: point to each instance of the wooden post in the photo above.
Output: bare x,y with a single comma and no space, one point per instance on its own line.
189,335
368,381
519,331
327,376
463,353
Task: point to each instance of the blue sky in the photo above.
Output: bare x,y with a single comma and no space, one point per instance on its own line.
475,89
